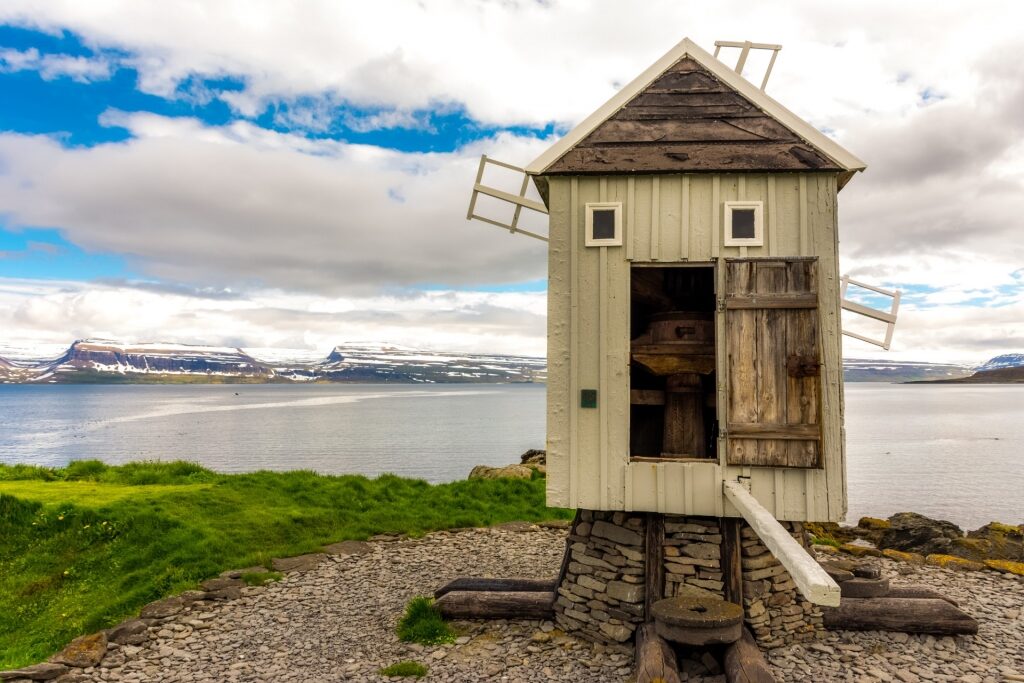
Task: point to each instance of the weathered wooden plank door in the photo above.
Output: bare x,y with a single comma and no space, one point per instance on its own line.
773,362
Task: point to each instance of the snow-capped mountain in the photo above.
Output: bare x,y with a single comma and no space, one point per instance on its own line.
1007,360
361,362
868,370
107,361
100,357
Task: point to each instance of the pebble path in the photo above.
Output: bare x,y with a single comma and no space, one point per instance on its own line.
336,622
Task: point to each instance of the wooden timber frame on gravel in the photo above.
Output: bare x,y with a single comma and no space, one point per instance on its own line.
695,399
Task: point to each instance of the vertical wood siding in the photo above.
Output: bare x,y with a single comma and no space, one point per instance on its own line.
674,218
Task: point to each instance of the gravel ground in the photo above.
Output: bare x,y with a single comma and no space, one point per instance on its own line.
994,655
336,623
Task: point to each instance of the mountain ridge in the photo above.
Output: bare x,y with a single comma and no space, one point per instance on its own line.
106,361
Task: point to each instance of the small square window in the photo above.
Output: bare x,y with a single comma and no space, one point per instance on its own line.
744,224
604,224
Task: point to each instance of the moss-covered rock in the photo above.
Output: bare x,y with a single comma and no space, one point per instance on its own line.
899,555
507,472
994,541
873,524
953,562
1006,566
914,533
860,550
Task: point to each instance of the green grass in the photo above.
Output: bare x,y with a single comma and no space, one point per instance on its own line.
825,540
405,669
422,623
85,546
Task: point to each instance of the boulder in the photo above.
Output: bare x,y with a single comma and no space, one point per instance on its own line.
507,472
211,585
858,550
994,541
1006,566
348,548
162,608
130,632
953,562
37,672
83,652
534,457
911,532
911,558
299,563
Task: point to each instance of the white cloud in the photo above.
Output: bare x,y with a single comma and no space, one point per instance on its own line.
531,62
53,66
34,313
928,94
243,206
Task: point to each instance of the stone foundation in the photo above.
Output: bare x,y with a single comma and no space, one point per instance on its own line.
601,595
775,611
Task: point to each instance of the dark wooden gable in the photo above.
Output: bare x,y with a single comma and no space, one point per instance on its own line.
688,120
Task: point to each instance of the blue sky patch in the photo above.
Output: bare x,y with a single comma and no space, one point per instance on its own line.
44,254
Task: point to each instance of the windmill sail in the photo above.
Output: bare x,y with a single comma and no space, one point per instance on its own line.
520,201
887,317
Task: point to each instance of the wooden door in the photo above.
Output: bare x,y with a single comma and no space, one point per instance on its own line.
773,362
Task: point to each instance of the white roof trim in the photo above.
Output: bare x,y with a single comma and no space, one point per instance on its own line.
687,47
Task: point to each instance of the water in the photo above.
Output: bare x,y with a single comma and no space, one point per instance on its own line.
954,452
437,433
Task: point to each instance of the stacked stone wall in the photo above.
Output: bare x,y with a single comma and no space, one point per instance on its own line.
693,557
602,593
775,611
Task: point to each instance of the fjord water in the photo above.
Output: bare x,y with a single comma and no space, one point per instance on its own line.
950,451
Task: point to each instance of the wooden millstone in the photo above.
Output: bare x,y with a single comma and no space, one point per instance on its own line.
697,621
909,615
744,662
655,659
497,605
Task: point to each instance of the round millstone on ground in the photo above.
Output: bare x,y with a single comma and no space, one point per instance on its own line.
698,621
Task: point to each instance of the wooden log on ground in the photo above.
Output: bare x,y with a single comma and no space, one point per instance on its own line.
655,658
864,588
918,592
513,585
909,615
497,605
745,663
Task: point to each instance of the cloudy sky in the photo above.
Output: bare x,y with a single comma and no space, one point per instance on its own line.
296,175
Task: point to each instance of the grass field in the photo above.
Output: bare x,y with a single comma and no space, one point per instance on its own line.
85,546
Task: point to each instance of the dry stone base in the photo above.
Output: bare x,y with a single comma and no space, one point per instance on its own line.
602,594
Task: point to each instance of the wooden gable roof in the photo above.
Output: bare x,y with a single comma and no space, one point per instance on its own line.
691,113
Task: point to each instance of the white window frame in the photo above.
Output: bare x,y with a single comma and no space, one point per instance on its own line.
758,239
615,241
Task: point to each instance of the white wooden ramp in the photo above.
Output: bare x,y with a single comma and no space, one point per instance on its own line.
812,580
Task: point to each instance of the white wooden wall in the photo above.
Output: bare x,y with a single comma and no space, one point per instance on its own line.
674,218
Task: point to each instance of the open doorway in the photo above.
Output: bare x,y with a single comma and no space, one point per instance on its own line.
672,368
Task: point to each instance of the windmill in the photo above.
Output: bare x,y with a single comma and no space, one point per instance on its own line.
694,344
